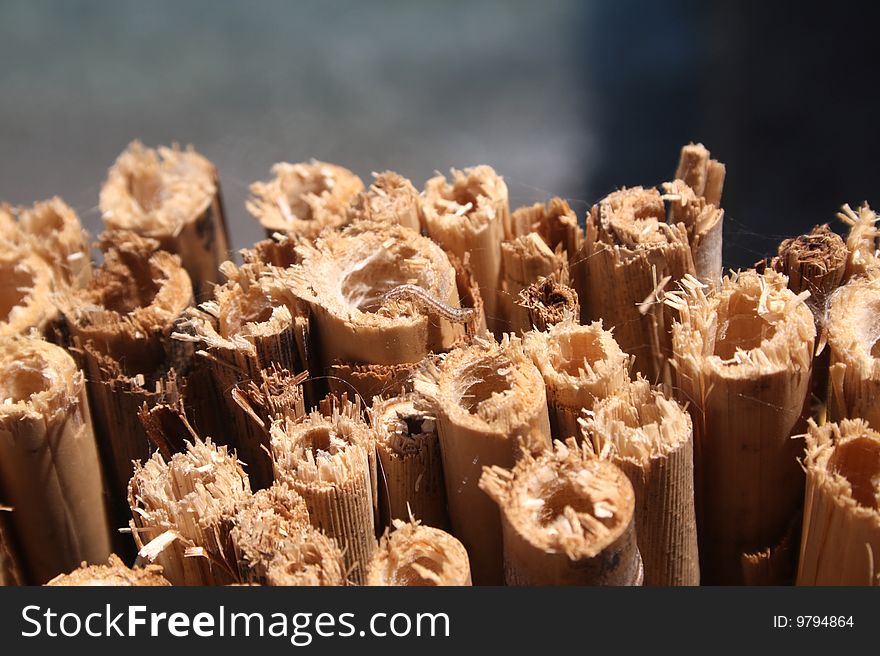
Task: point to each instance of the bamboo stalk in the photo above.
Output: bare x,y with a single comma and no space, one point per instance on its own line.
841,535
329,458
698,206
861,242
50,474
119,328
567,518
25,292
417,555
344,278
580,365
303,199
52,230
183,510
390,199
276,545
742,357
548,302
490,405
412,466
524,260
252,323
630,255
172,196
114,574
470,215
651,439
854,366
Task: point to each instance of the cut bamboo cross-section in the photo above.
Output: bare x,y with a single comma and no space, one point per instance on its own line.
470,215
742,358
173,196
698,206
631,255
548,302
50,474
252,323
840,544
651,439
524,260
567,519
183,510
490,406
303,199
329,458
51,230
26,284
412,466
390,199
276,544
417,555
580,365
852,332
113,574
119,328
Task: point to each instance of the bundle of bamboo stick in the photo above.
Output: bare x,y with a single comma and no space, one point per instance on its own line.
204,402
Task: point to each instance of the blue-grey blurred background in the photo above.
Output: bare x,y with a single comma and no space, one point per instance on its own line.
561,97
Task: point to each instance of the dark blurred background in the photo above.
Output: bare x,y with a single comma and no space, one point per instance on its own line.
562,97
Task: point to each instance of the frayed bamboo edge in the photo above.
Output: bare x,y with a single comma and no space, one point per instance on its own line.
391,199
490,404
580,365
412,466
113,574
548,302
303,199
416,555
470,216
651,439
742,358
840,543
183,511
50,474
329,458
567,518
171,195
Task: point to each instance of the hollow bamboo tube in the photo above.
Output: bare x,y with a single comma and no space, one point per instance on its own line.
172,196
742,358
276,545
303,199
841,534
651,439
548,302
50,474
854,369
26,285
344,277
183,509
390,199
251,324
631,254
113,574
329,458
567,518
524,260
119,327
417,555
470,215
555,222
861,242
412,466
490,406
52,230
580,365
